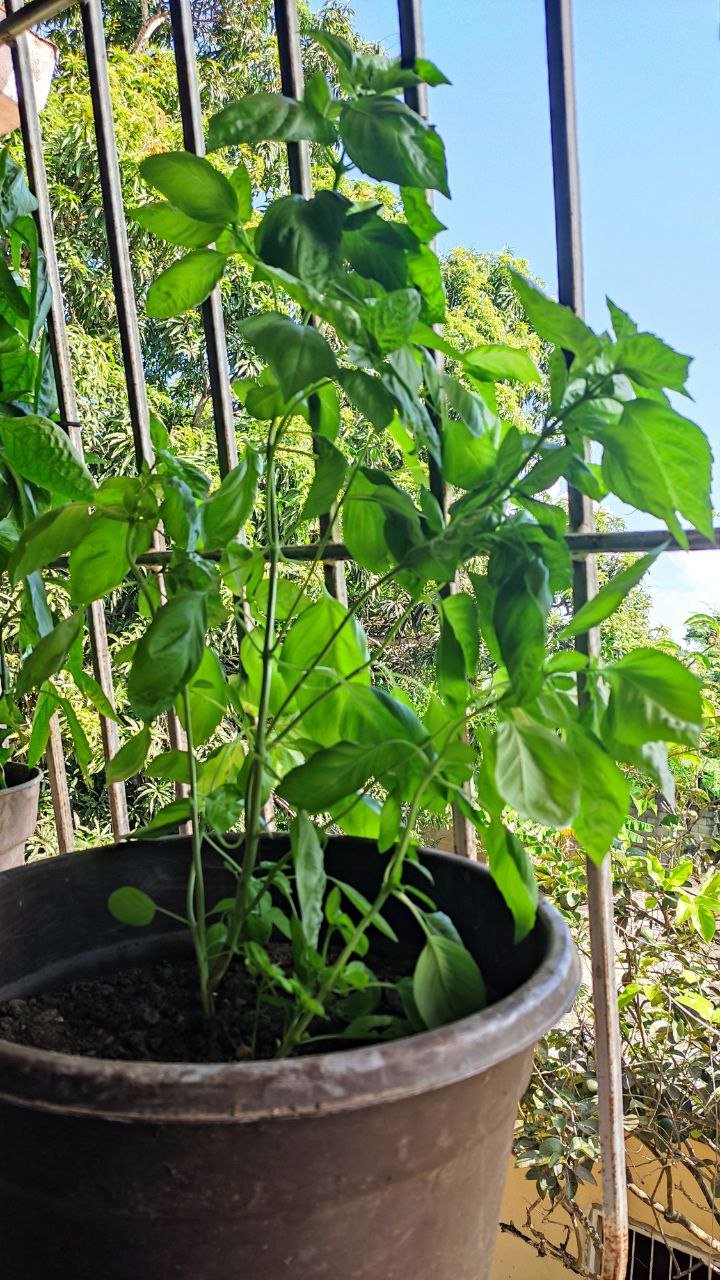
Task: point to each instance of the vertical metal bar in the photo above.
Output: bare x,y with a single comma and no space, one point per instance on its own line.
416,97
37,179
119,253
561,80
212,312
292,81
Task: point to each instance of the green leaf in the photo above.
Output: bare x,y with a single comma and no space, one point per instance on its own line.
330,471
297,354
420,216
611,596
10,293
173,226
536,772
380,522
224,513
45,708
326,633
52,535
99,563
131,906
388,141
513,874
173,765
554,322
604,796
130,758
658,461
185,284
310,877
303,237
318,94
653,698
168,654
207,693
458,647
368,395
521,603
95,695
165,820
392,318
261,117
193,185
40,451
447,983
49,654
338,771
650,362
497,362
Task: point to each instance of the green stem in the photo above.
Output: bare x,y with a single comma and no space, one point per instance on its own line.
196,911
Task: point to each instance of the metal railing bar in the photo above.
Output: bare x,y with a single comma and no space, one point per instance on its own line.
292,82
212,312
410,20
608,1052
32,14
37,179
119,254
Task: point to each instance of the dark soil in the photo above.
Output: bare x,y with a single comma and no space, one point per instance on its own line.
152,1013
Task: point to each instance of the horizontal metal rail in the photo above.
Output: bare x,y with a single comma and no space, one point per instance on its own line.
30,15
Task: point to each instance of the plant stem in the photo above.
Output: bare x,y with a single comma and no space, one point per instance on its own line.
196,911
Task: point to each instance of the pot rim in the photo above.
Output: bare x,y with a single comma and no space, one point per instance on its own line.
35,776
197,1093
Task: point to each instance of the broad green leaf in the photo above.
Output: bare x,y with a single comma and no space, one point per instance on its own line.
40,451
650,362
131,906
326,634
653,698
49,654
392,318
536,772
458,646
498,362
338,771
130,758
297,354
193,185
610,597
185,284
419,214
264,116
224,513
521,603
372,714
447,983
368,395
660,462
622,325
168,654
318,94
388,141
100,562
324,411
303,237
554,322
173,765
175,227
207,693
604,796
513,874
330,471
380,522
310,877
165,820
94,694
47,538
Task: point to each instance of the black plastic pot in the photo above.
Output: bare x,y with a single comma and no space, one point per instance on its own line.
380,1163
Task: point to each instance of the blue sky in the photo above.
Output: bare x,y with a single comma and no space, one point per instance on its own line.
648,87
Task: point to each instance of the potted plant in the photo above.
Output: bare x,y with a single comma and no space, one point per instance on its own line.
254,1054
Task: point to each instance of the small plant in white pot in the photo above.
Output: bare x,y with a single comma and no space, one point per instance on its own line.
316,1040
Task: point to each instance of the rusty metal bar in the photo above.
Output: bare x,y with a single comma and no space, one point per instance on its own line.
37,179
119,253
292,82
416,97
212,312
608,1053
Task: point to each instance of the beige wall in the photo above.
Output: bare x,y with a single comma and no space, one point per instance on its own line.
516,1260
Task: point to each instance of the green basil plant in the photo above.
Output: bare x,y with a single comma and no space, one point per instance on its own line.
354,306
